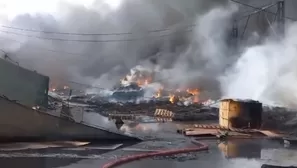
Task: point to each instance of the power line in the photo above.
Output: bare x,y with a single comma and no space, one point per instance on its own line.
46,49
87,34
88,41
260,8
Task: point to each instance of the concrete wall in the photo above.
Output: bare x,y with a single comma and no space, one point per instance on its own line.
19,123
25,86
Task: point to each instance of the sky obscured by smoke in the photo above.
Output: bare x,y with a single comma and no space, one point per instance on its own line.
197,58
98,17
266,72
105,63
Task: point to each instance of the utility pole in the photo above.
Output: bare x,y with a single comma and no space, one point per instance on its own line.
281,16
234,34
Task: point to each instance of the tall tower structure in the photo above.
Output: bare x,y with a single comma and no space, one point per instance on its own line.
281,16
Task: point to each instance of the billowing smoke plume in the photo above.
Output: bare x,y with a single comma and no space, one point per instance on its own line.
190,56
206,56
266,72
101,63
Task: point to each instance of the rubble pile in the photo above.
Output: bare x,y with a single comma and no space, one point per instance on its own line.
280,119
129,97
193,112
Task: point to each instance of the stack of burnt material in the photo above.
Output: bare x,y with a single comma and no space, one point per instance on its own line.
145,108
194,112
280,119
198,114
130,93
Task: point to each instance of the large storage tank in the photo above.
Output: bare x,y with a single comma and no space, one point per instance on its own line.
240,114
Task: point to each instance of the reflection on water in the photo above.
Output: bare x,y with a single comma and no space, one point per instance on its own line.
262,151
231,154
241,149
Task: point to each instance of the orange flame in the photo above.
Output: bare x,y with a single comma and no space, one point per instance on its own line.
143,82
195,93
158,94
173,98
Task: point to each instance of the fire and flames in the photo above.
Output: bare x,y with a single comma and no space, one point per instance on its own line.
55,86
195,93
188,94
145,77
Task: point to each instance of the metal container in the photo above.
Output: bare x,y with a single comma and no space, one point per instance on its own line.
240,114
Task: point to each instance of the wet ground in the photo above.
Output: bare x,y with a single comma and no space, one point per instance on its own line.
249,154
239,153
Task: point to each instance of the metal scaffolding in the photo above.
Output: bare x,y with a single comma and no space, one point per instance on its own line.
238,32
281,16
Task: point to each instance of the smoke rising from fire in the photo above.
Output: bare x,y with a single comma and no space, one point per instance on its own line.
104,64
195,59
206,56
266,72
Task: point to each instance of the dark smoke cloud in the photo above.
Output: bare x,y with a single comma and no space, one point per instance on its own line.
105,63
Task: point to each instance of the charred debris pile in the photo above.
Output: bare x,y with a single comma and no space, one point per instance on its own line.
131,100
130,97
141,93
194,111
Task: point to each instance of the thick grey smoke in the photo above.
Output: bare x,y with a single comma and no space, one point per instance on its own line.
106,63
266,72
185,58
206,56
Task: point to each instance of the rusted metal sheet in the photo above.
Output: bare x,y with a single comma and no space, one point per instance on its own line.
240,114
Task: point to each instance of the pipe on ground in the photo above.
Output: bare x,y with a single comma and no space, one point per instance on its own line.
200,147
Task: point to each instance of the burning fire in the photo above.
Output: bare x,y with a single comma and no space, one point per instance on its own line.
195,93
172,98
139,75
180,95
143,77
159,92
144,82
54,88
